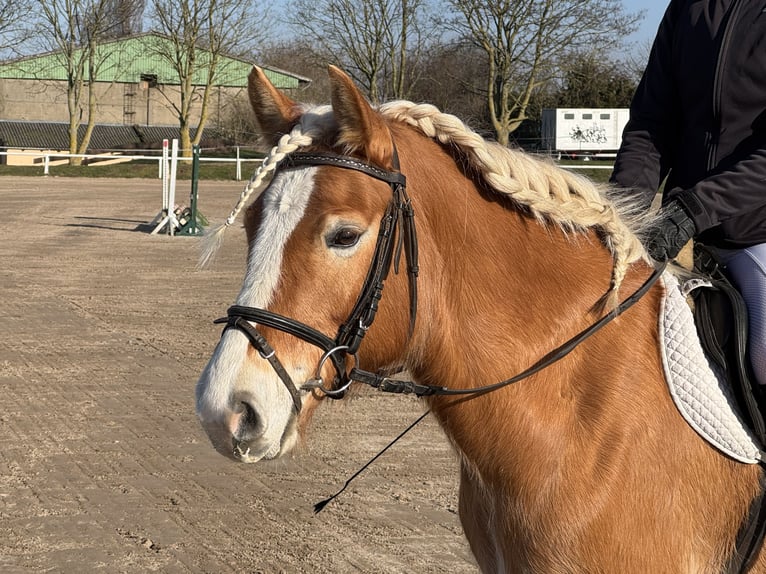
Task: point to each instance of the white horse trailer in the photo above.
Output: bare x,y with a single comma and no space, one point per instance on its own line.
583,131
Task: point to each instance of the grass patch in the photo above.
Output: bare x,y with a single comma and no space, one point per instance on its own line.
596,175
586,168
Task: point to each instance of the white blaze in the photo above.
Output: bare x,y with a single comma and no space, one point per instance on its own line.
284,203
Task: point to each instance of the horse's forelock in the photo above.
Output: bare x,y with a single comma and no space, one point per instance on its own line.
315,123
318,121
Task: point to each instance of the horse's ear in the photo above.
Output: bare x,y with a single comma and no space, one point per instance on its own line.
275,112
362,129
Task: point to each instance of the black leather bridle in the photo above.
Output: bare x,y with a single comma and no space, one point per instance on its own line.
397,232
397,223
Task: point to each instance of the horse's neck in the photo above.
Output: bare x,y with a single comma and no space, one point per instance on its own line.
508,287
509,291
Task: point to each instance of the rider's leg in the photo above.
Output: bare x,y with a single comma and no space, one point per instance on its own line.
747,270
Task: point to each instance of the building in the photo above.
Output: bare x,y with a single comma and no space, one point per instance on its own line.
135,86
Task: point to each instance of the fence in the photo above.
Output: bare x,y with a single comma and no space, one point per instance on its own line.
45,157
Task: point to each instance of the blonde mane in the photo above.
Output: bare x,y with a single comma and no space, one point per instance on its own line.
552,194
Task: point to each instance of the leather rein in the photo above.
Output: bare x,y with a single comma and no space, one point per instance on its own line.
397,232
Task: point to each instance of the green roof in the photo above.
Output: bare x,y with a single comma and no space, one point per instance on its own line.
128,59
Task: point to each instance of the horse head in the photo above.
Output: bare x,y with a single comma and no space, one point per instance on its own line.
313,236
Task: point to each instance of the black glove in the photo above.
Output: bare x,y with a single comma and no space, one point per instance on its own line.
670,232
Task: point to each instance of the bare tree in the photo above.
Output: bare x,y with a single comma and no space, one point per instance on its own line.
638,56
201,33
451,80
523,39
75,30
371,39
591,81
300,57
123,17
12,18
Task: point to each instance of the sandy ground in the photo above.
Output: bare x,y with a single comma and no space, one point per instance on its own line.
103,466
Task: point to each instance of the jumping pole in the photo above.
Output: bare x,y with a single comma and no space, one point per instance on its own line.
160,217
194,225
167,217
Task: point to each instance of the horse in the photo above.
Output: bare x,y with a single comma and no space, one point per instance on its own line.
585,465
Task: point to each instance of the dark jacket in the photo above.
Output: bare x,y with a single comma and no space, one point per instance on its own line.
699,117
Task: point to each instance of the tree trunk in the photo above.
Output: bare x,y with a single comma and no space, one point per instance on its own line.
85,142
185,142
74,125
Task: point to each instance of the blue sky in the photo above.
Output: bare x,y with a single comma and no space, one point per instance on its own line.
654,11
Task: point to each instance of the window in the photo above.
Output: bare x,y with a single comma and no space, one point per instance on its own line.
568,116
605,116
148,81
587,116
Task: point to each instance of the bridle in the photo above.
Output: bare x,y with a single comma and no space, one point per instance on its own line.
397,232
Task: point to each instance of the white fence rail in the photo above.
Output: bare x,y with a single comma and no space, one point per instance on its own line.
45,157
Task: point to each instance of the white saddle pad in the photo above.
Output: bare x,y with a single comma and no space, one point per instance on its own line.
699,390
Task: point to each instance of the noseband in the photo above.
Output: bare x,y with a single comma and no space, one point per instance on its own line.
397,231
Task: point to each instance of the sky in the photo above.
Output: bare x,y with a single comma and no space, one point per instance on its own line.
654,9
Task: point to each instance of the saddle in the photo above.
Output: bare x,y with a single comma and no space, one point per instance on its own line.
720,316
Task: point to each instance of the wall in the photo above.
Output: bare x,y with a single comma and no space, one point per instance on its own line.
118,103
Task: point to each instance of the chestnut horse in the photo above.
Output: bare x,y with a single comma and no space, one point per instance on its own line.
584,466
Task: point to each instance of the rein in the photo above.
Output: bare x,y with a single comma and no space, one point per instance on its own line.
390,385
398,221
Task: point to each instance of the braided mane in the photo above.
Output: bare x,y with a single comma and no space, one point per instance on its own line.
552,194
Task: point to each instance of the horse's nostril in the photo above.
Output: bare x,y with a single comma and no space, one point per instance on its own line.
249,428
249,422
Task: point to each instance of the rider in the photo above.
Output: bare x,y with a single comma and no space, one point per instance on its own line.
699,117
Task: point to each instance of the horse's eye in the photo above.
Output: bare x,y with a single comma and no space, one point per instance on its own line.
344,237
